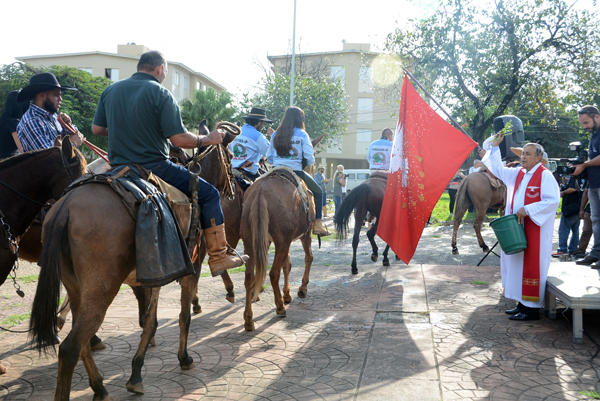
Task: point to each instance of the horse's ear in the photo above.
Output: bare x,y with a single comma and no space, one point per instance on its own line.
316,141
67,148
57,142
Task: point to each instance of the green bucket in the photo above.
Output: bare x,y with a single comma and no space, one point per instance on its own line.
510,234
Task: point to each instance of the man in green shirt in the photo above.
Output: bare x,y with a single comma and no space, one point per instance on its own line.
138,115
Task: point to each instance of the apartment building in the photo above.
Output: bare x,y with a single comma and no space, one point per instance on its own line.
182,81
370,111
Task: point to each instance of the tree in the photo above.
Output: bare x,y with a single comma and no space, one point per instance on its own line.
80,105
479,56
323,102
209,105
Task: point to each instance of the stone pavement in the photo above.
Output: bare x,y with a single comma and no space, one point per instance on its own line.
416,332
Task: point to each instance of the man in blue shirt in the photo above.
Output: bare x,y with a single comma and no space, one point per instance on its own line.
589,117
249,147
39,126
380,152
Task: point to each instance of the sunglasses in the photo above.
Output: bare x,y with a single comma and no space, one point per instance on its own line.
588,112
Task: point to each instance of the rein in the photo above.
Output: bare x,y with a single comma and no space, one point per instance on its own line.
90,145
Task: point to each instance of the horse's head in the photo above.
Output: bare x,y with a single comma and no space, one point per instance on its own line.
178,155
73,162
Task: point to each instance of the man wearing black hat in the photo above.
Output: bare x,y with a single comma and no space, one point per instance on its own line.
39,126
138,115
251,145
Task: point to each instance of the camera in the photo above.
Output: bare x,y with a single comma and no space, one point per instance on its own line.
582,156
346,175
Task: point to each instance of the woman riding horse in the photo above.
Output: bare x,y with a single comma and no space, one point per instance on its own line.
289,146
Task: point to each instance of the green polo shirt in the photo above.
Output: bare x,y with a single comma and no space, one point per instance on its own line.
140,115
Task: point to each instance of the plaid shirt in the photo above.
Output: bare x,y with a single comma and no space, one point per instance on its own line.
38,129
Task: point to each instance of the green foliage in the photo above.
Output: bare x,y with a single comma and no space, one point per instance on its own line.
478,56
591,394
477,282
322,100
209,105
80,105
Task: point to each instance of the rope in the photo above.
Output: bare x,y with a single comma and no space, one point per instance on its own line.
94,148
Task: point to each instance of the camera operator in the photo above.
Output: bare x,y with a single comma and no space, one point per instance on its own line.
338,184
589,117
569,218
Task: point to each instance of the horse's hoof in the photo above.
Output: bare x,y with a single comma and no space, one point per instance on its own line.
301,293
386,262
485,249
101,397
197,309
288,299
281,312
230,297
152,342
137,388
354,270
60,323
455,252
3,369
374,257
249,326
188,364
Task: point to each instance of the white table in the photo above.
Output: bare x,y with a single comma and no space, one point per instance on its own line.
576,286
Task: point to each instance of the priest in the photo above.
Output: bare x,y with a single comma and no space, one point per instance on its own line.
533,195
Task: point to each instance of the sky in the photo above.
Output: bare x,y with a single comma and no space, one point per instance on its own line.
223,39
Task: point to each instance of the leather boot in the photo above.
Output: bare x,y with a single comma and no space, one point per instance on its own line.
325,211
220,255
318,229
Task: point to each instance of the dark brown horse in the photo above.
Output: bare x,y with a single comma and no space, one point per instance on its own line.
365,198
27,182
89,242
477,190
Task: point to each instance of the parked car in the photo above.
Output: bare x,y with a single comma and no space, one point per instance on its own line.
356,177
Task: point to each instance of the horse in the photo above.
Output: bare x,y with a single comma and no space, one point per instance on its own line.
365,198
27,182
89,242
477,190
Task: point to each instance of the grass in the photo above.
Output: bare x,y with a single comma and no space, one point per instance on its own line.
441,211
477,282
591,394
29,279
14,320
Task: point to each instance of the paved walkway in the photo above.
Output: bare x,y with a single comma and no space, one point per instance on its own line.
417,332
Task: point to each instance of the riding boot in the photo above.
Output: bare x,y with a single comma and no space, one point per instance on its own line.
325,211
220,255
318,229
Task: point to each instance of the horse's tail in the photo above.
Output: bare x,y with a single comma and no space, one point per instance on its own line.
462,196
43,322
259,226
342,216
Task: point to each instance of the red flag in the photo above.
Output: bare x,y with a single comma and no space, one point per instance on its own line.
426,154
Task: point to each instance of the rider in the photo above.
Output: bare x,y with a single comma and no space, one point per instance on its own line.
138,115
380,152
251,145
289,145
39,125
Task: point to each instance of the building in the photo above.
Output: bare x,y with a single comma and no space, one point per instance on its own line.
370,113
181,80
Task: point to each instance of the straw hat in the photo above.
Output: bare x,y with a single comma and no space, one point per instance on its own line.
519,152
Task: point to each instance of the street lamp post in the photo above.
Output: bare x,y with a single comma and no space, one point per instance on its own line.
293,58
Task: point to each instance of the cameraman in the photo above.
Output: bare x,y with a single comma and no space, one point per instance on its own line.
589,117
569,217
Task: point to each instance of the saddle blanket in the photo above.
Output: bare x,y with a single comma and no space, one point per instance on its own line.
161,252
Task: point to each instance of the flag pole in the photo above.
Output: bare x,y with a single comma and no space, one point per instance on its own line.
438,105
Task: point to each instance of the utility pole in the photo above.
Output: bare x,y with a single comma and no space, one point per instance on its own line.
293,58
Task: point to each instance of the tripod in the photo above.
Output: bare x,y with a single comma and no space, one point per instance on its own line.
490,251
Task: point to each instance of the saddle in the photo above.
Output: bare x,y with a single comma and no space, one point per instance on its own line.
161,252
305,194
242,179
495,183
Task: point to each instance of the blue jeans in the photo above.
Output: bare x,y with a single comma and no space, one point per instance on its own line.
209,197
594,197
338,202
568,225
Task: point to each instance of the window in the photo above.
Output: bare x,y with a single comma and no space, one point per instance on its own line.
362,176
176,79
197,85
365,110
363,135
338,73
365,79
112,74
86,69
185,83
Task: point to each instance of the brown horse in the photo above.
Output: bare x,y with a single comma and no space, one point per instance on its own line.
273,211
89,242
476,190
27,182
365,198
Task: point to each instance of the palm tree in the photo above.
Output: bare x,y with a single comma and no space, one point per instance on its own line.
209,105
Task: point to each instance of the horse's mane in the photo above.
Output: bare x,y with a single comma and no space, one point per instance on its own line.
25,157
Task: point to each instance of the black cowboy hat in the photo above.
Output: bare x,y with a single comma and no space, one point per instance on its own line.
39,83
258,114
